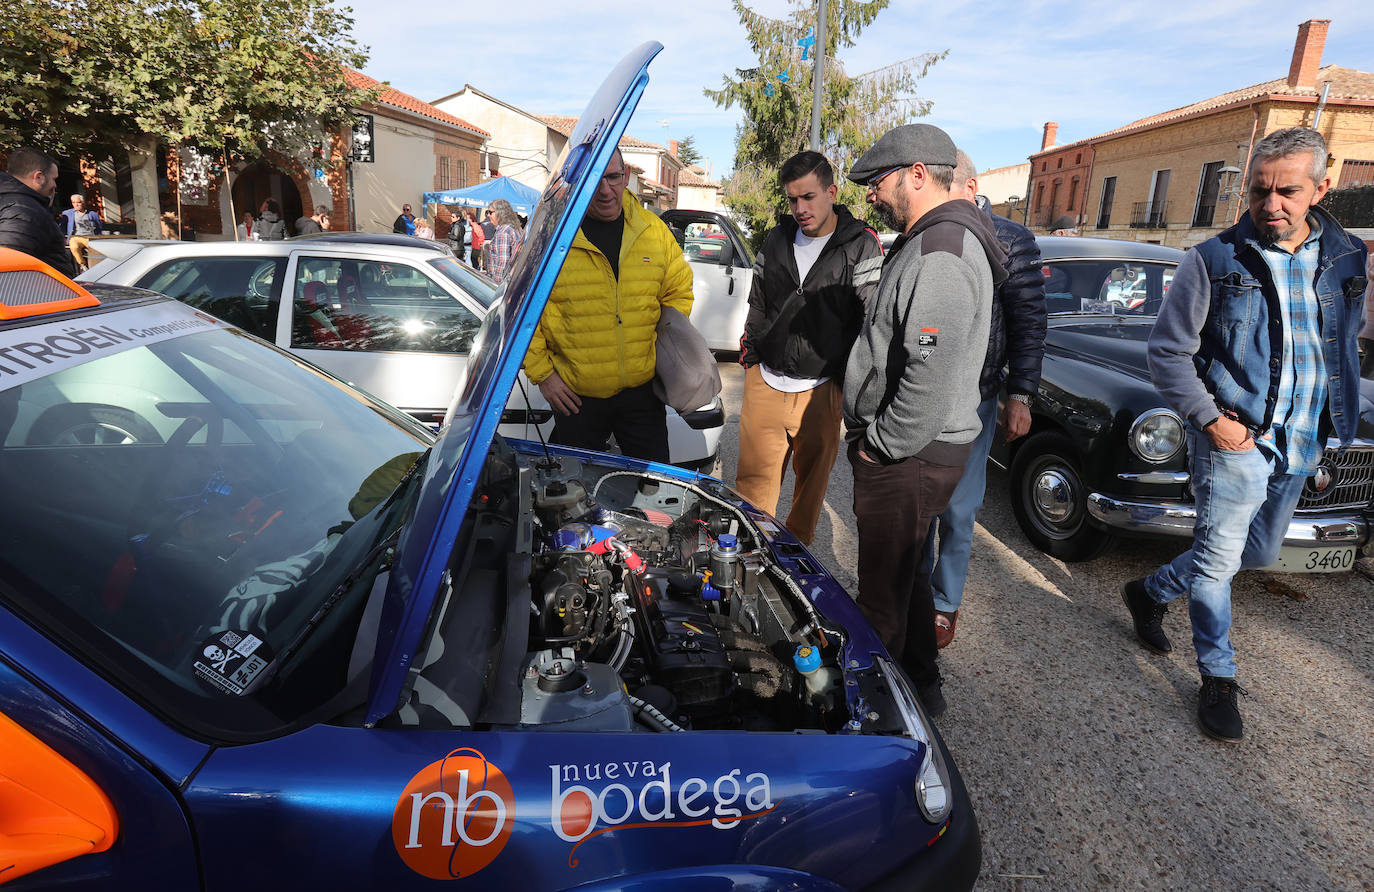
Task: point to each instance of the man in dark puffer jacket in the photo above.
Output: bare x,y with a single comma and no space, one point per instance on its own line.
26,220
1016,340
817,269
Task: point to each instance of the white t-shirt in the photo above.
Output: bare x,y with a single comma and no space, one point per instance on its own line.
805,249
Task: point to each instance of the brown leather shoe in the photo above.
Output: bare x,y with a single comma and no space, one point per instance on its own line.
944,627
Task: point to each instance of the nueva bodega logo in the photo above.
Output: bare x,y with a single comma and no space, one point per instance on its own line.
642,794
454,817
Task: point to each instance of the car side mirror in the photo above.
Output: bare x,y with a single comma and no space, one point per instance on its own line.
727,255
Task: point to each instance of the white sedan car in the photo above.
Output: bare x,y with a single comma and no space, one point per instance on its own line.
393,317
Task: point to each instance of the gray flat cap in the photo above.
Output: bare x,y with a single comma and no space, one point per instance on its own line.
904,146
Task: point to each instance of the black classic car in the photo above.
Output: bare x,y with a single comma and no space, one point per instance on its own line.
1105,456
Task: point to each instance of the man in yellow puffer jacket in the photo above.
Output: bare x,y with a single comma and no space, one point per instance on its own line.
593,352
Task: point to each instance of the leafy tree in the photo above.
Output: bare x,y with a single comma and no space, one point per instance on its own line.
776,100
231,77
687,151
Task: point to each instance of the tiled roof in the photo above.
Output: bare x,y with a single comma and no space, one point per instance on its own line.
695,176
396,99
640,144
564,124
1346,83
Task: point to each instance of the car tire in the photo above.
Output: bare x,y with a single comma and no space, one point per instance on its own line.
1050,499
90,424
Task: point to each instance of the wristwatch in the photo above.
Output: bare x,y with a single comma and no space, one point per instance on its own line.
1022,398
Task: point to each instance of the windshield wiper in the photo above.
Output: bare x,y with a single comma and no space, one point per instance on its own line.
388,543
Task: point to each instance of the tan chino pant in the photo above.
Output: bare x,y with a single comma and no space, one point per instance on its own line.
78,246
775,427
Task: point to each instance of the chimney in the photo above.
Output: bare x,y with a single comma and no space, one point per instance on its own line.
672,143
1051,131
1307,54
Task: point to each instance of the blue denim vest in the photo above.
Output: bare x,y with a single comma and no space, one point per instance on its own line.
1241,351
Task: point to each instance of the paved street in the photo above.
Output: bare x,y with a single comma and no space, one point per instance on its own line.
1081,750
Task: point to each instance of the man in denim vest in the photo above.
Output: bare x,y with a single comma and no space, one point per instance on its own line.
1255,346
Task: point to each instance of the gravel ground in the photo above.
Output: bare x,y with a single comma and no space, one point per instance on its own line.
1081,750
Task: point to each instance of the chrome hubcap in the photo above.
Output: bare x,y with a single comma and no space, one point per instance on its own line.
1053,495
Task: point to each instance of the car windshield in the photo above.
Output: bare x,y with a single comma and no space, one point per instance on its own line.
221,515
1108,287
472,282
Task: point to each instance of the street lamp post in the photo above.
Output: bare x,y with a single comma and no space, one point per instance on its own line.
818,80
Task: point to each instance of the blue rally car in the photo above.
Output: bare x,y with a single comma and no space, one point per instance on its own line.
259,631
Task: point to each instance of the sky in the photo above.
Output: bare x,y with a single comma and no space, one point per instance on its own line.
1011,67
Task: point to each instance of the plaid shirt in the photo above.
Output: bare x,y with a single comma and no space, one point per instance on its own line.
503,247
1302,382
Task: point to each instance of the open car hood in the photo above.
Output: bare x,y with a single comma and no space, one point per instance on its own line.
419,573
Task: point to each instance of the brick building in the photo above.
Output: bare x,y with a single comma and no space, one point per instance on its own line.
1058,179
1177,178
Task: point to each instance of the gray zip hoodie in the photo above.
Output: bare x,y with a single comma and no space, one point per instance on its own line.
911,384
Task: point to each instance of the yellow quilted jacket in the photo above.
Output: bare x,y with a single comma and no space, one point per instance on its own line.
597,332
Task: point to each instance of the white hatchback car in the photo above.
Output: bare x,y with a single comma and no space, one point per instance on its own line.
722,274
396,319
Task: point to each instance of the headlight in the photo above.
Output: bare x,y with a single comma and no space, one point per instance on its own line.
1156,436
933,794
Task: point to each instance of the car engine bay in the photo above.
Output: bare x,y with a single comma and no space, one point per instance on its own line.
651,603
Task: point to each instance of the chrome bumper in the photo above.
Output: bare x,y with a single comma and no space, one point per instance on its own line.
1346,527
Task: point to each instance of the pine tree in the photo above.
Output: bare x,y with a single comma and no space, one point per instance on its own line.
687,151
776,100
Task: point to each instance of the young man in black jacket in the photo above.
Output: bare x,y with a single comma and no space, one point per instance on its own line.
814,275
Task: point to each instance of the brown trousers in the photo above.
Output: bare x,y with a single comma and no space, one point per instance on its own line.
894,504
776,427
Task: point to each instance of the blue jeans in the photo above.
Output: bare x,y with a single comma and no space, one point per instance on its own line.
1244,506
952,531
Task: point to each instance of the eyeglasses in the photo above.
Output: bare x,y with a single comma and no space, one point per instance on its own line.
875,180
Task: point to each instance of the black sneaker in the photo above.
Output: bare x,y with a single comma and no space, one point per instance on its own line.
933,699
1216,709
1147,614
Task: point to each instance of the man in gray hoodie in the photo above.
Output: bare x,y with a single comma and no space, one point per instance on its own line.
911,384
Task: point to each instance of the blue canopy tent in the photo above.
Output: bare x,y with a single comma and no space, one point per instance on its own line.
520,196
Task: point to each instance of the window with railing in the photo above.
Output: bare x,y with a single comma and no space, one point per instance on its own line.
1356,173
1152,214
442,178
1149,215
1104,210
1208,188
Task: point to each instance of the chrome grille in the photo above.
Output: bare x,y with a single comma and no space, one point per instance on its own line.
1353,484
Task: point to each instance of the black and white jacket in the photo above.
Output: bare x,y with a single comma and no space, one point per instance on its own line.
805,329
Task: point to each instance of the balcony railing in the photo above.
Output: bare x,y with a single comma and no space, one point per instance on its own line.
1149,215
1206,213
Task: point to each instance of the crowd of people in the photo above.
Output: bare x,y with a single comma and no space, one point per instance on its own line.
904,357
486,239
